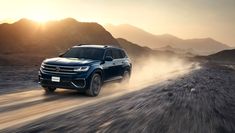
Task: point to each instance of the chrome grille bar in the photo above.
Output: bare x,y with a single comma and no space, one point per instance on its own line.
57,69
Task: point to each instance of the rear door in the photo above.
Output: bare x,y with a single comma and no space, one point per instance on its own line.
124,62
118,62
109,67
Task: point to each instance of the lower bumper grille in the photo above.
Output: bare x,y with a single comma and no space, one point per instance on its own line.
74,84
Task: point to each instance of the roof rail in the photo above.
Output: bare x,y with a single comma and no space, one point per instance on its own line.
104,46
83,44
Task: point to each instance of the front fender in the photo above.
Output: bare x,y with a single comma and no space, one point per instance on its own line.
95,69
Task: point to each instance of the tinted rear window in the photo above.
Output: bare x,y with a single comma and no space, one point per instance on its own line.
108,53
123,54
117,54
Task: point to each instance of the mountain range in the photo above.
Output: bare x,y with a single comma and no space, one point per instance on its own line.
201,46
55,36
27,42
137,51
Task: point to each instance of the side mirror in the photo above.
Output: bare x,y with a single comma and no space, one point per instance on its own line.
61,54
108,58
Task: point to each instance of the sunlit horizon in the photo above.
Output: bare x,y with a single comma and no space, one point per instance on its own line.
182,18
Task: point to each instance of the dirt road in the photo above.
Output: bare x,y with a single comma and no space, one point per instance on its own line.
21,108
196,101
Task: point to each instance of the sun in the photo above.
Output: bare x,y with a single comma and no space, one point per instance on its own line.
40,15
40,19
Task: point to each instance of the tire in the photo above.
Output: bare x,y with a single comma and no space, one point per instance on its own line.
94,86
126,77
49,89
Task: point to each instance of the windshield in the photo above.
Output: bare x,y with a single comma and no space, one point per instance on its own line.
86,53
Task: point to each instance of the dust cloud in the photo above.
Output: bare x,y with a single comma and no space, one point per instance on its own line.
155,67
150,71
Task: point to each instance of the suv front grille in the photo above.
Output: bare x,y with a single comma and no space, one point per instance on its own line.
57,69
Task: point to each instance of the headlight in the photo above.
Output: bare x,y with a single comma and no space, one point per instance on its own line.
81,69
42,65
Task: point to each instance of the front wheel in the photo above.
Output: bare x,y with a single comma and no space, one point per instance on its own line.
95,85
49,89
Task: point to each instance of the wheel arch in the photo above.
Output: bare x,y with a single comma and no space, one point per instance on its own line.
99,71
127,68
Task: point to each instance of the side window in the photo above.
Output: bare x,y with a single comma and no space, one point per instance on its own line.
123,54
108,53
117,54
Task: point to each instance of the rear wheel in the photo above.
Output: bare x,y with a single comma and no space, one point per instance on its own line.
49,89
126,77
95,85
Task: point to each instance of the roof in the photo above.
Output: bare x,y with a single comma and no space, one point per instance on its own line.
95,46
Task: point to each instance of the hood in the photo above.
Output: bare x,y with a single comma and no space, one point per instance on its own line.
69,61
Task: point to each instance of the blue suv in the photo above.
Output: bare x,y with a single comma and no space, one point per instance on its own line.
85,68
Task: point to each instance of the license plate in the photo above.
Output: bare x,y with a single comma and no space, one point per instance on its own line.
55,79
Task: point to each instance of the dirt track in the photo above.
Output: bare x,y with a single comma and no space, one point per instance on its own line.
199,102
20,108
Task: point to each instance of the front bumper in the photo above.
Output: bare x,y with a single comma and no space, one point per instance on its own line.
77,81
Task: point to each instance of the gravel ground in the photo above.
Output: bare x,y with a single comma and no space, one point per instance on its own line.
200,102
18,78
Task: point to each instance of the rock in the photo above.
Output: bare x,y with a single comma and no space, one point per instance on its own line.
193,90
170,94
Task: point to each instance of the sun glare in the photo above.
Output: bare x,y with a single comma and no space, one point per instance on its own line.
40,18
40,14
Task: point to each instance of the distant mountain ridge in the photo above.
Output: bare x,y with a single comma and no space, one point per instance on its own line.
202,46
223,56
29,36
135,51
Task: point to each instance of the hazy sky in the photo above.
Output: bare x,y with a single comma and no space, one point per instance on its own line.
182,18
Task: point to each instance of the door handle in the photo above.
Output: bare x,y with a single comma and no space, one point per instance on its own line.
114,63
